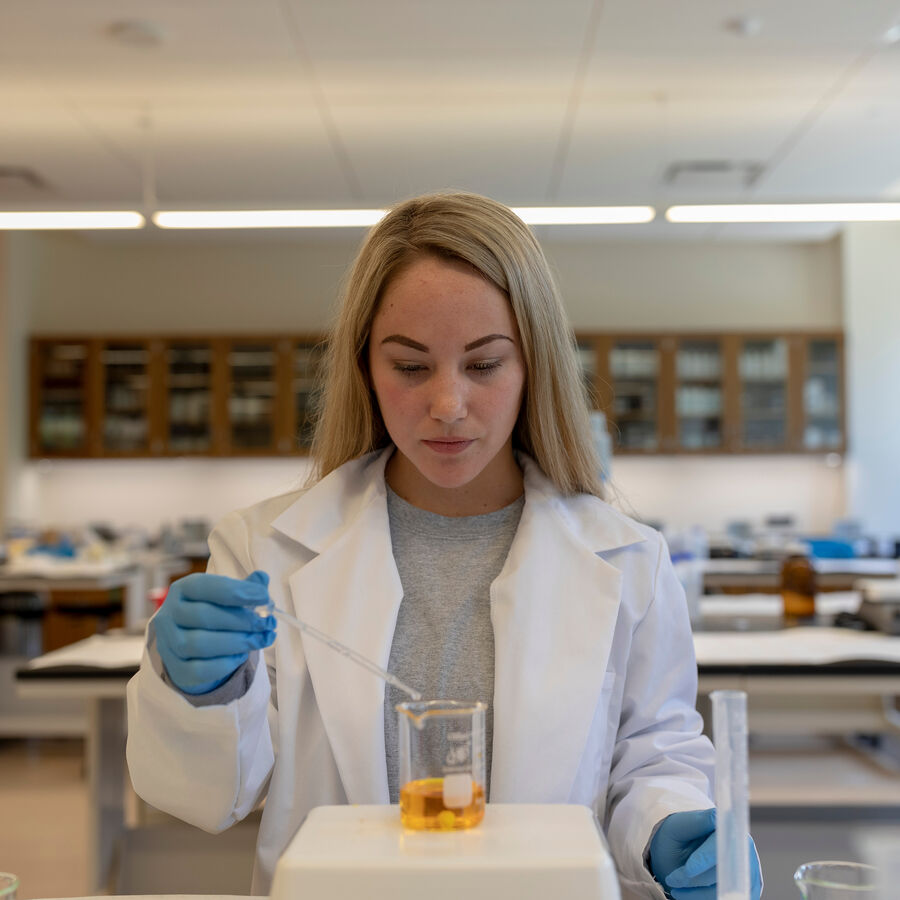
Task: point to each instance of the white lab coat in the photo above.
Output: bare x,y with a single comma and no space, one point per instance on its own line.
594,684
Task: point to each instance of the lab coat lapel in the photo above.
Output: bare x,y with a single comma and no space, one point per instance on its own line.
351,590
554,608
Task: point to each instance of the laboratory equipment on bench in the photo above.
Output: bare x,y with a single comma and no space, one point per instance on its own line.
344,650
839,881
729,710
880,603
526,851
442,770
798,585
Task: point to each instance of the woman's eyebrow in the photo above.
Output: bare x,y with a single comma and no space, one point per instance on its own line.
415,345
407,342
487,339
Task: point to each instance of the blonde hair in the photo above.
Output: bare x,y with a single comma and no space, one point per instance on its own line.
553,425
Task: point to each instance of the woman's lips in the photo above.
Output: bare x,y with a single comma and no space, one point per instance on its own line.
448,446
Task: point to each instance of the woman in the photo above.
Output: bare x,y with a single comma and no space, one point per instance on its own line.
454,532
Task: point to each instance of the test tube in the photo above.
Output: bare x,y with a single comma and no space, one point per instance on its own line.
732,818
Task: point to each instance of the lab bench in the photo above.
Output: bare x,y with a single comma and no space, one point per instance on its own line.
801,705
61,603
743,576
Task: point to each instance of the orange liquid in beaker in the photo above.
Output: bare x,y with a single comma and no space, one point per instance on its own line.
422,807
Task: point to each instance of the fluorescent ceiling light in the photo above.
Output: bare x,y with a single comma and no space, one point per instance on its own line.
585,215
355,218
268,218
786,212
73,220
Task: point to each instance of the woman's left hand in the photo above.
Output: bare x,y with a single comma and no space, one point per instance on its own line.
683,856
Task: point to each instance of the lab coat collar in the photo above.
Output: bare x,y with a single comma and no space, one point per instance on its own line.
331,505
327,509
553,609
590,520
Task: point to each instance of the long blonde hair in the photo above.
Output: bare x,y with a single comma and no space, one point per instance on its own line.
553,425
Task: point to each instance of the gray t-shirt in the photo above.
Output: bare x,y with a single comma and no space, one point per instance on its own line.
444,643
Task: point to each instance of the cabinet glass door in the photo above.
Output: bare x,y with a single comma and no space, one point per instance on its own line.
62,390
698,395
307,359
125,397
251,397
763,370
822,422
189,379
634,366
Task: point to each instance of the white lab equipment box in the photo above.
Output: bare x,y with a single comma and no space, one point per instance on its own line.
526,851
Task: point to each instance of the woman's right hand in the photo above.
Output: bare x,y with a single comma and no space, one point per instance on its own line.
207,627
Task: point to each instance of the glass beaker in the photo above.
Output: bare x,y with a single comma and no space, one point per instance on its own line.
837,881
9,885
441,764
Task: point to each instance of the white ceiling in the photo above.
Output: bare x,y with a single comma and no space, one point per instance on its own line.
311,103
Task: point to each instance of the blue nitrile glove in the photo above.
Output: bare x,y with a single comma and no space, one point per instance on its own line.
683,856
207,627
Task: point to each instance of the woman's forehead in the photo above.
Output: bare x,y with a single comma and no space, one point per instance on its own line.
433,294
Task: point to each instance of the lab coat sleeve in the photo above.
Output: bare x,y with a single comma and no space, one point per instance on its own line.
206,765
662,763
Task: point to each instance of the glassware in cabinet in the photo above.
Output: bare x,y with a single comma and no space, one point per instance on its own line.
251,396
189,395
634,368
763,372
822,396
61,383
699,394
126,383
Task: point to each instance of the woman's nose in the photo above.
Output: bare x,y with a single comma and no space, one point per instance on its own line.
448,401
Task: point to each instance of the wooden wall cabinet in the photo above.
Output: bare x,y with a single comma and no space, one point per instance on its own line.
686,393
171,396
691,393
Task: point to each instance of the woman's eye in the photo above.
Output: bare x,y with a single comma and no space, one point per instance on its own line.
486,366
408,368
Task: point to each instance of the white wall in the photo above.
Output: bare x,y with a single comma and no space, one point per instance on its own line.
145,494
704,286
81,286
714,490
676,491
872,314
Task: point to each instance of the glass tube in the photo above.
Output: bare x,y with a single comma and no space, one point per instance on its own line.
732,818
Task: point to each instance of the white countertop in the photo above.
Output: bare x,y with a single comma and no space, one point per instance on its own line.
813,645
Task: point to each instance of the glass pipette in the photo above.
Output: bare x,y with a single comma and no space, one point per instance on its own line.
344,651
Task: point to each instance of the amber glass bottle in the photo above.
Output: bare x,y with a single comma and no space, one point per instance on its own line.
798,585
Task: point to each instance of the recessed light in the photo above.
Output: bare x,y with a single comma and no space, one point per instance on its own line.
744,26
136,32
